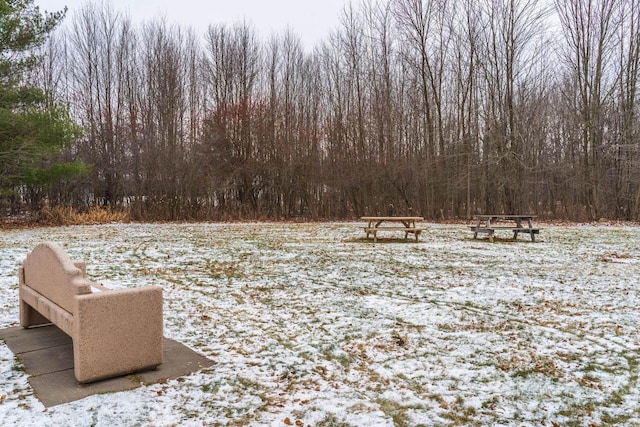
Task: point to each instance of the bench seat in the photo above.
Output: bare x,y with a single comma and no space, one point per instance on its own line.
407,230
516,230
492,228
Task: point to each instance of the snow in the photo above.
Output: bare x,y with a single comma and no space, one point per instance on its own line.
308,322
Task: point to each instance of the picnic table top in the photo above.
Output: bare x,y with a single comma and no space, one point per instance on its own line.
392,218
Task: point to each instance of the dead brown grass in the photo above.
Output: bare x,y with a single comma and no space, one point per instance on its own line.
60,215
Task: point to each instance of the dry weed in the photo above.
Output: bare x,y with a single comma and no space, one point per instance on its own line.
64,215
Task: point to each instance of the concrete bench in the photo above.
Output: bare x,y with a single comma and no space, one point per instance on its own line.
114,332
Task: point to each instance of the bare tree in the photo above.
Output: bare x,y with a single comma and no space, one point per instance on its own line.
466,39
510,55
233,57
589,27
626,152
99,38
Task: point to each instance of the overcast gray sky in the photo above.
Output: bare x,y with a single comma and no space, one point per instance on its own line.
313,20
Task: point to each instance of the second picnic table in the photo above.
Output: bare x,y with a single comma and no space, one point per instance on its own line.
488,224
408,225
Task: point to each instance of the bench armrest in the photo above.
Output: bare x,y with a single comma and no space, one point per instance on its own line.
117,332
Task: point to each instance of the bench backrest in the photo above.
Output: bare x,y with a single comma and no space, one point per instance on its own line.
49,271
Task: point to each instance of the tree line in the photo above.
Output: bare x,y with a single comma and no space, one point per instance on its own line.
443,108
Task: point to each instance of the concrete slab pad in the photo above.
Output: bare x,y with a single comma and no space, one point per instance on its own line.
24,340
47,360
47,355
61,387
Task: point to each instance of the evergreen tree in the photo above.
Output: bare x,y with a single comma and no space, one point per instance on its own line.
32,130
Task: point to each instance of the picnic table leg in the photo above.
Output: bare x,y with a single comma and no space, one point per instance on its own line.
415,230
491,236
375,232
407,224
533,236
475,231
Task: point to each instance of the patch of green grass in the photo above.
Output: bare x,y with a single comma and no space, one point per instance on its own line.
491,403
575,413
330,420
615,420
613,368
523,365
17,365
223,269
634,365
459,414
343,359
396,411
617,397
248,383
210,388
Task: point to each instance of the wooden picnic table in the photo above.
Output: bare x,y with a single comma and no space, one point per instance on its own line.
488,224
408,225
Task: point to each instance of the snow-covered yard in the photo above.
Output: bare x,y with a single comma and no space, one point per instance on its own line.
310,325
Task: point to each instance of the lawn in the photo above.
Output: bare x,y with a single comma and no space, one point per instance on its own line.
308,324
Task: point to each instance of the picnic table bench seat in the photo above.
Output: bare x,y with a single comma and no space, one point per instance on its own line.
487,224
405,224
408,229
519,229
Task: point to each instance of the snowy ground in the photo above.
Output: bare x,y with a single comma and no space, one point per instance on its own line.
310,325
